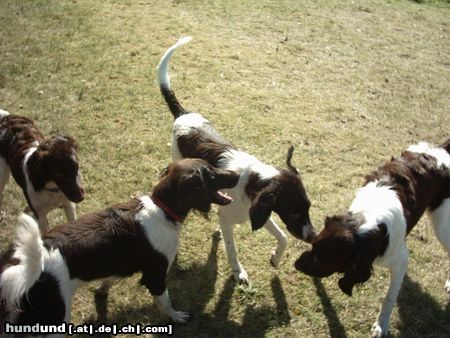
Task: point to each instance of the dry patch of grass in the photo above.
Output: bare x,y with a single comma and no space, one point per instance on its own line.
349,83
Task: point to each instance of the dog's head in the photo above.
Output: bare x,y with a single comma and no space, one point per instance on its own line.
57,161
194,184
341,247
286,196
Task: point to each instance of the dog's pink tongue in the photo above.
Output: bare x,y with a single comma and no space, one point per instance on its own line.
225,196
222,198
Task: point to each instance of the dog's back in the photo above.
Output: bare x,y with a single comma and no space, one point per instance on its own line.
17,134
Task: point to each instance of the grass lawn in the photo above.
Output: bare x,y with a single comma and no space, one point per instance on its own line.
348,83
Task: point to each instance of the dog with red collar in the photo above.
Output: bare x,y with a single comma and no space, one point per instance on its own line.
39,275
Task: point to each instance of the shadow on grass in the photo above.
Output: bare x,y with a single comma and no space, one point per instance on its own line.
337,330
420,315
195,297
255,320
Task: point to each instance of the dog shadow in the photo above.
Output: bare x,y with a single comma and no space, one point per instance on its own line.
419,314
256,320
218,322
335,326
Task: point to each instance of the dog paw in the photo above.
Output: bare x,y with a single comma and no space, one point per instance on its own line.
180,317
377,331
275,258
447,286
241,276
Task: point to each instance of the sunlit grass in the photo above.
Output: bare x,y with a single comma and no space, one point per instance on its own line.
348,83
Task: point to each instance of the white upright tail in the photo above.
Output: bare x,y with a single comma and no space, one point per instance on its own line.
16,281
163,67
3,113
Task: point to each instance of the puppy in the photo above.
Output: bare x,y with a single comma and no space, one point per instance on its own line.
384,211
39,276
261,188
45,169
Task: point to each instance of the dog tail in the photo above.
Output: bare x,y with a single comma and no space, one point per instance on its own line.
16,280
3,113
164,79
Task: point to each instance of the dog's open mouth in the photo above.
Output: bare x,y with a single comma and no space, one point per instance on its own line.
221,198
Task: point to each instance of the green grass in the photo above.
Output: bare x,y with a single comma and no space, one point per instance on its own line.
348,83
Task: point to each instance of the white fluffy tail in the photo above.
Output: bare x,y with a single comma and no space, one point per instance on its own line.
16,281
163,67
3,113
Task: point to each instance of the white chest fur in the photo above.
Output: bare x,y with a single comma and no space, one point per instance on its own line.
162,234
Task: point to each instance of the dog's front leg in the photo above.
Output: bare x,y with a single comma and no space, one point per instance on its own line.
40,209
43,222
397,271
155,282
282,241
165,307
70,210
239,273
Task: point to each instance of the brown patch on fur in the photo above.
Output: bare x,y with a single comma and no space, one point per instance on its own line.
205,144
17,135
105,239
418,181
254,185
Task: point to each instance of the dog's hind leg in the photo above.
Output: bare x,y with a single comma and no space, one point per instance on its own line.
282,241
441,223
5,172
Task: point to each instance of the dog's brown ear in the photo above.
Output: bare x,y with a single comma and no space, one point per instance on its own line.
359,273
262,207
189,183
368,247
38,168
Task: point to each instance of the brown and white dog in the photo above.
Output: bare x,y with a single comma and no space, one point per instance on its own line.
383,212
46,169
261,189
40,274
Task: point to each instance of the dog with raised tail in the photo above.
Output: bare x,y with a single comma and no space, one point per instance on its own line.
47,169
384,211
262,188
40,274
